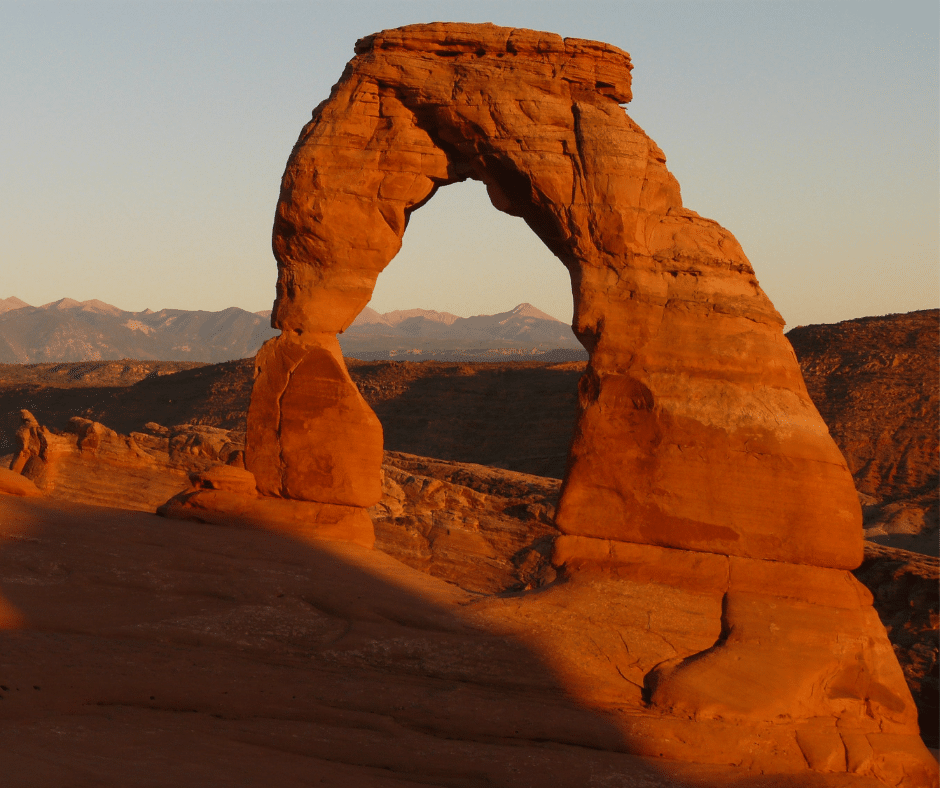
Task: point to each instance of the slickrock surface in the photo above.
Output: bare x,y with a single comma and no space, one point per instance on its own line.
874,381
143,651
485,530
694,431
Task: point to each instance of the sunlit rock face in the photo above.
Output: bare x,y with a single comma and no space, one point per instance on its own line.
695,429
701,481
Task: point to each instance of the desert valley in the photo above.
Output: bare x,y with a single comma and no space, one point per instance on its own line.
668,546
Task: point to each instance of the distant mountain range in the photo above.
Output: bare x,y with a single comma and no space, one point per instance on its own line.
69,330
417,334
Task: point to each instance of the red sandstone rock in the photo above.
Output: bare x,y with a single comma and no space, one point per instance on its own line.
91,463
311,435
298,519
196,655
695,428
12,483
484,529
626,630
701,480
703,613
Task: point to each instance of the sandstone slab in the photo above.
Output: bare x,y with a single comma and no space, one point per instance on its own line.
187,654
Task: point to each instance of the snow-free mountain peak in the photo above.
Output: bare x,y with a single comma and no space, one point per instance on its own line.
527,310
62,304
11,303
91,305
69,330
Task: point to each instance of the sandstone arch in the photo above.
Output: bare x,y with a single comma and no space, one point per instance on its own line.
702,491
695,428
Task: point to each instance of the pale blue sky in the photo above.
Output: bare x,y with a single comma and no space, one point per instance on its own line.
141,147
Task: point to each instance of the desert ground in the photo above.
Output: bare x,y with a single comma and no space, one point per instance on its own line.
148,650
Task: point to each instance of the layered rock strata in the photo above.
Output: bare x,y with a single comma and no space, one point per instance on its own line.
90,463
700,475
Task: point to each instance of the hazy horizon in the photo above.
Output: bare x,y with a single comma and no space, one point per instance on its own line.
257,311
143,145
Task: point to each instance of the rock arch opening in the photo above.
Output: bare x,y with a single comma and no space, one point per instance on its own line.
460,255
494,393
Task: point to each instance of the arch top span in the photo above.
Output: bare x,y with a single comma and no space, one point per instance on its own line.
593,65
695,430
536,117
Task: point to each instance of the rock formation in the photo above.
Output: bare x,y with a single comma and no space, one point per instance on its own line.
484,529
13,483
90,463
695,429
907,598
874,382
149,651
605,632
700,471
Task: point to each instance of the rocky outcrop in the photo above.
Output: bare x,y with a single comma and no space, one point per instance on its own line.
196,655
13,483
486,530
874,381
907,598
631,627
91,463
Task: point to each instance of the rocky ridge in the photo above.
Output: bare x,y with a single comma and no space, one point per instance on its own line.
874,381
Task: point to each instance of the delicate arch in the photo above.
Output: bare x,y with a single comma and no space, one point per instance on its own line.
695,430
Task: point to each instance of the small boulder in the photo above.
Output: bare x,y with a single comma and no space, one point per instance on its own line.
12,483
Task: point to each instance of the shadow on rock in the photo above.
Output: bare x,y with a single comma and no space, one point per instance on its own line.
154,652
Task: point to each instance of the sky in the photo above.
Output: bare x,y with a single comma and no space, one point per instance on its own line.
142,145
